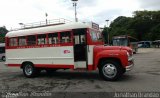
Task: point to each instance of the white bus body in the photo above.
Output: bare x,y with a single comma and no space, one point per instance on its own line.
49,55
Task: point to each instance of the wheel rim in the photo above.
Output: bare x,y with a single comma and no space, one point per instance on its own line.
109,70
28,69
4,59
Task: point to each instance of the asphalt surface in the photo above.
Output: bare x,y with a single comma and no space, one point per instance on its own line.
145,77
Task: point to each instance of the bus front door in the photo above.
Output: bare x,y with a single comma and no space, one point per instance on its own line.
80,48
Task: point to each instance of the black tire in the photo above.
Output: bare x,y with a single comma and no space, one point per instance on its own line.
3,58
110,70
29,70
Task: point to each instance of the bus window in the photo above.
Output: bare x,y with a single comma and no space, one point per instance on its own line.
99,36
21,41
2,50
53,38
65,37
13,41
96,36
79,36
31,40
42,39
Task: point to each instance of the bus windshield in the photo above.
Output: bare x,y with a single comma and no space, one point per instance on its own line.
120,42
96,36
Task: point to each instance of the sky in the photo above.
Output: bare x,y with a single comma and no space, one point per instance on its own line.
13,12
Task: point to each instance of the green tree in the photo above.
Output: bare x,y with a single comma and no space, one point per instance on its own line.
121,26
155,32
144,25
3,32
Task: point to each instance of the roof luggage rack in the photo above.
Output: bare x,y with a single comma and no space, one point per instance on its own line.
44,23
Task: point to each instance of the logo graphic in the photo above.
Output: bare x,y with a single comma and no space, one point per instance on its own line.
66,51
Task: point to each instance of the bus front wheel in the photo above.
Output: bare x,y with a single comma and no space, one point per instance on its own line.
110,70
29,70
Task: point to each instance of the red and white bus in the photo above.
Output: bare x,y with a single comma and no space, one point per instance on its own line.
66,46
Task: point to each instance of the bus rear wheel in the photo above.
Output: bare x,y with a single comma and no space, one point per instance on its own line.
110,70
3,58
29,70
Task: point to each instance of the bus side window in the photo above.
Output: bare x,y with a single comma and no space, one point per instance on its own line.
2,50
31,40
53,38
21,41
42,39
13,41
65,37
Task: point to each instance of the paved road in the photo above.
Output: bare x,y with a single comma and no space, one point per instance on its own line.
145,77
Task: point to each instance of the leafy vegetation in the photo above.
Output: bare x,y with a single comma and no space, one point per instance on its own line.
3,32
144,25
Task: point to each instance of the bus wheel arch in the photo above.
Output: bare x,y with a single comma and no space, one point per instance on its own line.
112,64
25,62
29,70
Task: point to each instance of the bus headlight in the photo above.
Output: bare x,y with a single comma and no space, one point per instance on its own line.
129,56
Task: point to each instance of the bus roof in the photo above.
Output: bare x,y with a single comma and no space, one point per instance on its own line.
48,29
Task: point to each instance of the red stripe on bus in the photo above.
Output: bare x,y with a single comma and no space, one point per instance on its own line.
54,66
46,65
14,65
40,46
61,66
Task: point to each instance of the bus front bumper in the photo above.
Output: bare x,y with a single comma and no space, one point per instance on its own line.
130,64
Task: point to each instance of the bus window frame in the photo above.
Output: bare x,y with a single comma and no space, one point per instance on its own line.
35,40
62,44
89,38
71,43
10,42
25,41
45,39
57,37
70,38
